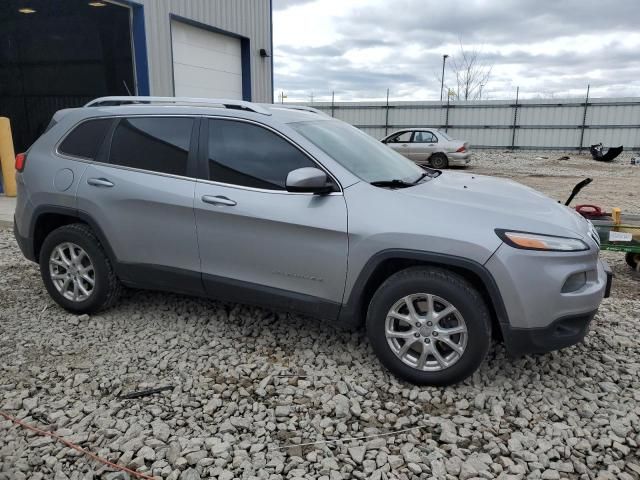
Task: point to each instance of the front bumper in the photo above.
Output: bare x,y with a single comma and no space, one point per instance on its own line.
544,307
561,333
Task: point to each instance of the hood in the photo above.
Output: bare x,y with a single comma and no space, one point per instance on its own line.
505,203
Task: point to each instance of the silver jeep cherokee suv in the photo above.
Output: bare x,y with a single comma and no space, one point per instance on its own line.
291,209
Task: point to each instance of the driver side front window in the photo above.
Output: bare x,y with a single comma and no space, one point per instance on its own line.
248,155
402,138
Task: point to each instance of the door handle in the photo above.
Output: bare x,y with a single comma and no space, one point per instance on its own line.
100,182
404,145
218,200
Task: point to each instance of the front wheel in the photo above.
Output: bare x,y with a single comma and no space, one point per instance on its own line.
429,326
633,260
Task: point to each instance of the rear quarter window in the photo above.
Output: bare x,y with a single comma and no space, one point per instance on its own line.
85,140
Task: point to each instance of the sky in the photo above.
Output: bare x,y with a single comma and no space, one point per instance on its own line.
549,48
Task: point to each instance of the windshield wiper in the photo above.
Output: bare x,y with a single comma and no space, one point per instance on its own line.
395,183
422,175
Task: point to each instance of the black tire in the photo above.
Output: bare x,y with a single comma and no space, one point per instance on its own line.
106,289
450,287
439,161
632,259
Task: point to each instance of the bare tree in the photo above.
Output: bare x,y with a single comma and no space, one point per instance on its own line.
471,74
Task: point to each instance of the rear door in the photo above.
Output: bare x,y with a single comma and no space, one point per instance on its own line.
140,194
424,144
259,243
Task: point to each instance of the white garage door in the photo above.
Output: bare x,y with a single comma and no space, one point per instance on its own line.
205,64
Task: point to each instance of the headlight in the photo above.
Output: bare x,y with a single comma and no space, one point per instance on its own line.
537,241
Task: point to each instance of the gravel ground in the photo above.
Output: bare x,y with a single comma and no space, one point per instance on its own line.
250,386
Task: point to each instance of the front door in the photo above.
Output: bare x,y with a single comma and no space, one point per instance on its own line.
401,143
259,243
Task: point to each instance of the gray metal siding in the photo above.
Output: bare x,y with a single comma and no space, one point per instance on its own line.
247,18
555,123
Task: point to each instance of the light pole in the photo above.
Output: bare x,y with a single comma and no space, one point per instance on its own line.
444,60
481,85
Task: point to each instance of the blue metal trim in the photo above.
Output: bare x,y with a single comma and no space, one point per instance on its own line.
245,50
139,47
272,55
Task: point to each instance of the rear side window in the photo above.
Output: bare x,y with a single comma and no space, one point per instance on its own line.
157,144
424,137
244,154
85,140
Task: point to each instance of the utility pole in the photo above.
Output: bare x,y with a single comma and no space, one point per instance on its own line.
282,96
481,85
311,98
444,60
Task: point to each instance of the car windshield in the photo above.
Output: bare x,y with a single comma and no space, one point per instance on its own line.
362,155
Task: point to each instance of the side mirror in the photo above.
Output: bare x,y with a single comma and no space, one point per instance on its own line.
308,180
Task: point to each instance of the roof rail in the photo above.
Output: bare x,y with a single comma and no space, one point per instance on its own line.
205,102
303,108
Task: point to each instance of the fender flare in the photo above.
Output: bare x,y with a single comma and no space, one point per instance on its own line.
351,313
70,212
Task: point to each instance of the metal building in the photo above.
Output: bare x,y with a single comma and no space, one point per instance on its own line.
62,54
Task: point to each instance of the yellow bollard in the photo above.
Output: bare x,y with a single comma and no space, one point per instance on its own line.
616,214
7,158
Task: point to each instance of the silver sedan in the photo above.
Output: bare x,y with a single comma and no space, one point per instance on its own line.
429,146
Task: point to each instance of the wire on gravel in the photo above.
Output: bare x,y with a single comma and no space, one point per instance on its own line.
76,447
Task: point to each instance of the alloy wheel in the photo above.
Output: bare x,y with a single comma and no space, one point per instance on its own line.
426,332
72,272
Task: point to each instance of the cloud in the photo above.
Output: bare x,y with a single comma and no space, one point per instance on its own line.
284,4
362,47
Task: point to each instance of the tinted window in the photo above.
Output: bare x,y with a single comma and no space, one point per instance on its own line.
85,140
245,154
152,143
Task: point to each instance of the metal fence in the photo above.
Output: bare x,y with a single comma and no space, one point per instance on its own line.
560,124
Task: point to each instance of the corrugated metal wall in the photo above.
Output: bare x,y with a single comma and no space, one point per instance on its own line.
248,18
533,124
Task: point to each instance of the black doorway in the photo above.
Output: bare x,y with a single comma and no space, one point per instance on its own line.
55,55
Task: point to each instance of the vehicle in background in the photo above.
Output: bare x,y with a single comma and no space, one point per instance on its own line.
429,146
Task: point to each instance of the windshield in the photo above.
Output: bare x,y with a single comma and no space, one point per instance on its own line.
362,155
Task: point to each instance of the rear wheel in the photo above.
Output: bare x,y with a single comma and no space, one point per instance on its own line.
76,270
429,326
439,160
633,260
